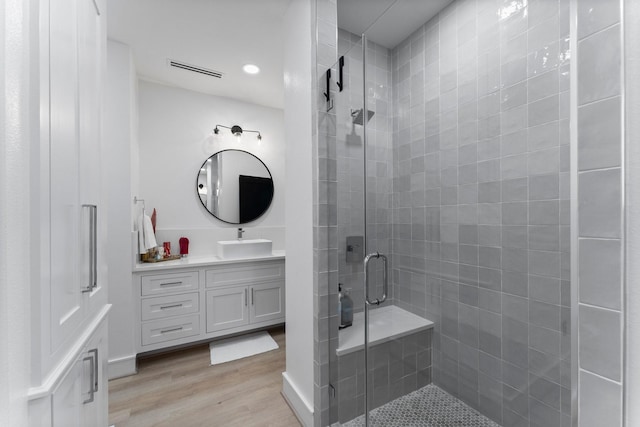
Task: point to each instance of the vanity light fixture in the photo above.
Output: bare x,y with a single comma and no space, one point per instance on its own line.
236,131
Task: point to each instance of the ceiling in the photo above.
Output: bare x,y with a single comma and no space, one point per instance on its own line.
223,35
398,18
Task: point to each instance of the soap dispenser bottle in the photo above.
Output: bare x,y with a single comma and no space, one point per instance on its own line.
340,302
345,303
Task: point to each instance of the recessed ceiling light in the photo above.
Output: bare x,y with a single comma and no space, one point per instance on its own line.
251,69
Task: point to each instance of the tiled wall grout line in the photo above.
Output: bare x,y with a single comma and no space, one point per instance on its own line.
602,377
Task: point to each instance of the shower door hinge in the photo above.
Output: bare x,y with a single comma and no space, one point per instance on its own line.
332,391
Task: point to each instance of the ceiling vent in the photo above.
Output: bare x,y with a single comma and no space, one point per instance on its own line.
194,69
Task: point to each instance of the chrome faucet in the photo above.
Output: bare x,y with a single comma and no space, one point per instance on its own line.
240,233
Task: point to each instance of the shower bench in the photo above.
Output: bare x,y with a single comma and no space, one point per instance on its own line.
399,358
386,324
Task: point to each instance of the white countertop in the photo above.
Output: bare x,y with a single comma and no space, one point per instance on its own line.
200,261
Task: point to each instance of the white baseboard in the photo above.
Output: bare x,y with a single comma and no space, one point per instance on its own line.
299,405
122,367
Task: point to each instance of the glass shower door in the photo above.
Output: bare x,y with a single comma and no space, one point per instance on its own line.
346,138
364,376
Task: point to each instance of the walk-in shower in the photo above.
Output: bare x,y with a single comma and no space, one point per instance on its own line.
460,184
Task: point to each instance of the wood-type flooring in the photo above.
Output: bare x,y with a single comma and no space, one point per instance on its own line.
181,389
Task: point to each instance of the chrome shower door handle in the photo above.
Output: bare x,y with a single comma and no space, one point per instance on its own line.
385,279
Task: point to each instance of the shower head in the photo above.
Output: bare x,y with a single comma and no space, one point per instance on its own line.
357,116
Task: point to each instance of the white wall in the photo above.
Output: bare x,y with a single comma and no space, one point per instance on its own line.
119,136
18,129
298,379
176,137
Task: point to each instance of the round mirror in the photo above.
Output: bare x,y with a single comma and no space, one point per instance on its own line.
235,186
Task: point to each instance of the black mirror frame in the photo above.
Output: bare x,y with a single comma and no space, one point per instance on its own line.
273,189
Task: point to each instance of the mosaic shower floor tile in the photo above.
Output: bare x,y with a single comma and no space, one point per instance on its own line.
428,407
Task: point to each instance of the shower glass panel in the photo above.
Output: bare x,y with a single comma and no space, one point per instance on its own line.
374,361
347,364
452,156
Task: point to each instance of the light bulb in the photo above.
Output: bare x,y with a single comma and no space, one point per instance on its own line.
251,69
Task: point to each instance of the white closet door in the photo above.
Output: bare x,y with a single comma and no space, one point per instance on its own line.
92,231
65,293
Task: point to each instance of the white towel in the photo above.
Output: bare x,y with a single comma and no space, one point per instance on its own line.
146,237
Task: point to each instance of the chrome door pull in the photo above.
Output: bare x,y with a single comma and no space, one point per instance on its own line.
385,279
171,283
166,307
93,248
92,390
96,367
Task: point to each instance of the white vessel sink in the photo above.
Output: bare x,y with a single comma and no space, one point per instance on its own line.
244,248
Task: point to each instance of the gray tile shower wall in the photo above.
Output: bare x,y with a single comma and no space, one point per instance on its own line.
480,203
600,231
350,161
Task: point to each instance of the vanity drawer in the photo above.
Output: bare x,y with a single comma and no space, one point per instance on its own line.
169,306
243,274
169,282
171,329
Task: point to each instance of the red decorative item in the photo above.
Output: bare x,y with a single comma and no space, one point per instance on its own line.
167,248
153,219
184,246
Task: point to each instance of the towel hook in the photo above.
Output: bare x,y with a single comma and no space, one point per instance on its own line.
137,200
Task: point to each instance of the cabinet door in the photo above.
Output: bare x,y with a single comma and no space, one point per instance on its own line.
66,401
81,398
66,294
267,302
90,65
227,308
95,385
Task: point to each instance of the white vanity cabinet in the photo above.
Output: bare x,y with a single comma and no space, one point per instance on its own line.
244,295
182,302
227,308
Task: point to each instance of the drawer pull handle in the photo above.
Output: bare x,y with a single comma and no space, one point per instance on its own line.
171,283
179,328
164,307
